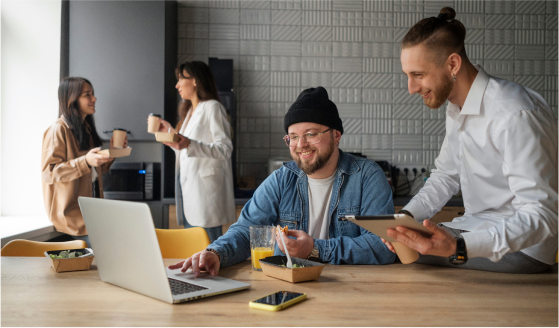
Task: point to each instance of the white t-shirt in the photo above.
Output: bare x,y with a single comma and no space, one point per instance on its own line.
320,192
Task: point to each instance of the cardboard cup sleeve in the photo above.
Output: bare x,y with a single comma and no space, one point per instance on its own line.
406,254
118,138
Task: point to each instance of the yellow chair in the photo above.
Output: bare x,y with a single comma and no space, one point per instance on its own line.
182,243
22,247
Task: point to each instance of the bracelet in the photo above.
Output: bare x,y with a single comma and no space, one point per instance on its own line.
215,252
407,213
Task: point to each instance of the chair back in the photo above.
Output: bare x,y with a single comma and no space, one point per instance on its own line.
22,247
182,243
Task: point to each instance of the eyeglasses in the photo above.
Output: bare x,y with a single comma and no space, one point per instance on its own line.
310,138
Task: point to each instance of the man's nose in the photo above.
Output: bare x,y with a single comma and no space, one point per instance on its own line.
301,142
413,87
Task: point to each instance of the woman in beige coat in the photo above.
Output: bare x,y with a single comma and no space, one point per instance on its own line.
204,176
70,164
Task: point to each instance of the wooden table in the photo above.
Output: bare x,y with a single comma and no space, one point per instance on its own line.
392,295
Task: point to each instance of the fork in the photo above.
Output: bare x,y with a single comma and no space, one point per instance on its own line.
289,264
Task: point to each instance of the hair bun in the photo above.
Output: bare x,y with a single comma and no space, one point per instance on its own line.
448,12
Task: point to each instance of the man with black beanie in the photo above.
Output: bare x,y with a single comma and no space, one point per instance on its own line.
308,195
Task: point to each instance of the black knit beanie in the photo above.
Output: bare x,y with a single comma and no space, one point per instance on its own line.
313,106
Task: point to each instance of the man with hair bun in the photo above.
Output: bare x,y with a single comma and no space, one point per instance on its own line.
500,150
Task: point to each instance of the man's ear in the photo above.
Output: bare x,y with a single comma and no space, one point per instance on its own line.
454,62
337,136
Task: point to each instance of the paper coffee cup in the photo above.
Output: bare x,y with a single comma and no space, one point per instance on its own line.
406,254
118,138
153,123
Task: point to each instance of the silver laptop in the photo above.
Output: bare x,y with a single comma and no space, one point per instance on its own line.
127,254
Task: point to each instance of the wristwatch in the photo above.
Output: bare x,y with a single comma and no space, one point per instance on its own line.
461,256
314,254
406,212
215,252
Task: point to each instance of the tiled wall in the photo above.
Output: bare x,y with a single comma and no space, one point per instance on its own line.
352,49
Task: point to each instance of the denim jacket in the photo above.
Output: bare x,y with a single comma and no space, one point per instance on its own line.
360,188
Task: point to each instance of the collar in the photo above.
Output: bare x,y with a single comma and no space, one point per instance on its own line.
346,164
472,105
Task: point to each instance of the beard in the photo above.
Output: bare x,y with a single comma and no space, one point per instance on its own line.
440,96
320,162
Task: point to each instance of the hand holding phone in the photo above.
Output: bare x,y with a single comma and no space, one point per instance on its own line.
277,301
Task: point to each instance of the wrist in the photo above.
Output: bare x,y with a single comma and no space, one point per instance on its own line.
211,250
315,254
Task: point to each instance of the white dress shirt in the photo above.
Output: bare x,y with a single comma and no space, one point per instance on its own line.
501,151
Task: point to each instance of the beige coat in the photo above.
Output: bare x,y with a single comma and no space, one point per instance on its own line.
66,175
206,175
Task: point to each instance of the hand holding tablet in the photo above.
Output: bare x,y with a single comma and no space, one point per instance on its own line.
379,224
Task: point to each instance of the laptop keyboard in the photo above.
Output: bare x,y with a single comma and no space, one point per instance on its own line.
181,287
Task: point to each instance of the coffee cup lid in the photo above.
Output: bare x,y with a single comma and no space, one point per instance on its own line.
157,115
119,129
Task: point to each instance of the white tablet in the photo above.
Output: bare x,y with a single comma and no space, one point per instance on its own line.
378,224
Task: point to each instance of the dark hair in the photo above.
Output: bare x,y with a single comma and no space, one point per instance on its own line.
442,34
69,93
205,84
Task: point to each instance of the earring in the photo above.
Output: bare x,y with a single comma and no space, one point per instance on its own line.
454,78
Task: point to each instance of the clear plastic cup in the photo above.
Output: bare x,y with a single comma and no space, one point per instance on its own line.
262,242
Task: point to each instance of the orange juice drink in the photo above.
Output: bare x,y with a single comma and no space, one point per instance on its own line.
260,253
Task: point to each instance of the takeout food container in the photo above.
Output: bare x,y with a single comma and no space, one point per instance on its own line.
166,137
272,266
72,264
116,152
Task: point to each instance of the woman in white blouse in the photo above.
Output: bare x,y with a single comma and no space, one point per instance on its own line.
203,176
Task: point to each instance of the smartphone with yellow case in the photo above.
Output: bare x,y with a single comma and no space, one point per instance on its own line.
277,301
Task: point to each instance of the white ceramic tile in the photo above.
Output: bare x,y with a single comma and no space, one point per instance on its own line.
317,4
383,96
529,36
347,18
352,125
377,141
377,111
285,79
224,3
500,7
224,32
287,4
255,78
377,126
318,18
318,49
224,16
407,111
379,6
349,110
286,63
284,94
224,47
529,67
343,33
348,80
255,4
255,63
378,34
350,143
314,79
255,47
347,65
258,94
286,33
316,64
378,19
286,17
345,95
317,33
347,5
470,6
377,65
378,49
255,32
377,80
499,37
286,48
529,52
347,49
252,16
193,31
498,51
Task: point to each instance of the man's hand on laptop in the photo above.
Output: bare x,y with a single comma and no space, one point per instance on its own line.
300,247
203,260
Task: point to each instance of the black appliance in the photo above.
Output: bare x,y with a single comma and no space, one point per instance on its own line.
133,181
